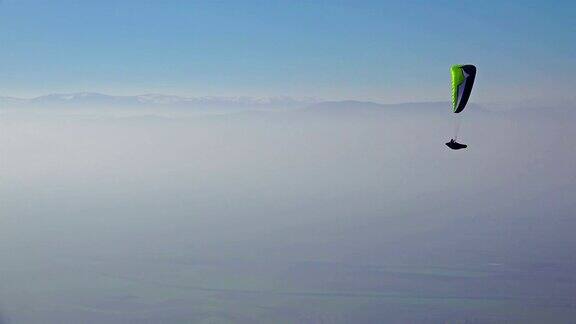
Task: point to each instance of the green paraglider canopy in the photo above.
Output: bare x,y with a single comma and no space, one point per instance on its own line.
462,82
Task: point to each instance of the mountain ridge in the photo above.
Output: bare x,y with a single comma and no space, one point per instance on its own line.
82,100
99,100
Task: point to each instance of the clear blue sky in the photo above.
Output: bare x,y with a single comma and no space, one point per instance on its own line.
390,51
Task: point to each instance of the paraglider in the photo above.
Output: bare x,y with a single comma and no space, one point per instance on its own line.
462,81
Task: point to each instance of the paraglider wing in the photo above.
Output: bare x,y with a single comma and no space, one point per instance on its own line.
462,82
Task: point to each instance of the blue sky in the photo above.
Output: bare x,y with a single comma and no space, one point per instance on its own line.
390,51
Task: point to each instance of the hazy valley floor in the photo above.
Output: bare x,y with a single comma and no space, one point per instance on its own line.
287,217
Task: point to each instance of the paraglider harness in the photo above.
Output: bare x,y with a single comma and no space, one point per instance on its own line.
455,145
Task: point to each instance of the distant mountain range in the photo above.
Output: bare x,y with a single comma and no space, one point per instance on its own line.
98,100
91,100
